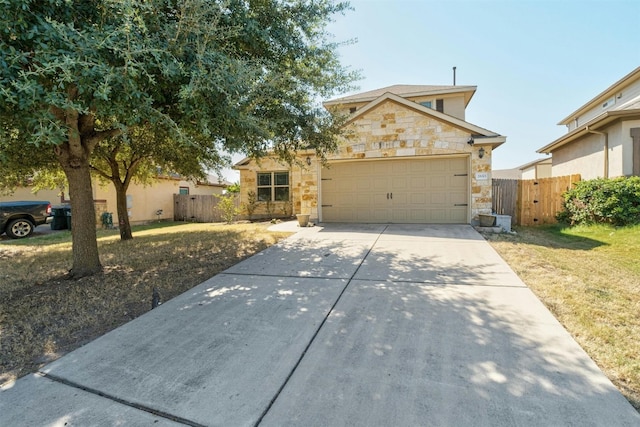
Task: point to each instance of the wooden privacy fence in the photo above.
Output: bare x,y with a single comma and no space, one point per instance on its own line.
531,201
197,208
505,197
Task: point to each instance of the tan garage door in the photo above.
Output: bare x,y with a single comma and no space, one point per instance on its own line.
396,191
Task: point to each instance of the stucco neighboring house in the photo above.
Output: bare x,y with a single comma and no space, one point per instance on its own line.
603,135
536,169
513,173
143,202
407,156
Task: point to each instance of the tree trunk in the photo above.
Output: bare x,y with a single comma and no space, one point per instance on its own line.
123,213
73,156
86,260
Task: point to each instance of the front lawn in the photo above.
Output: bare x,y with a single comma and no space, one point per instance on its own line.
589,278
43,316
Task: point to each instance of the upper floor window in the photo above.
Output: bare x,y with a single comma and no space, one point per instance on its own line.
352,110
440,105
273,186
426,104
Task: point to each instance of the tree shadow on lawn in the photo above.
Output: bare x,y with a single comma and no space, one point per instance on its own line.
550,236
45,316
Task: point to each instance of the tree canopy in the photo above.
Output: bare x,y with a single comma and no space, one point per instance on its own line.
239,75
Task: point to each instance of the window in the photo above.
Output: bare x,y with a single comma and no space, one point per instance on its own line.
352,110
183,190
273,186
426,104
440,105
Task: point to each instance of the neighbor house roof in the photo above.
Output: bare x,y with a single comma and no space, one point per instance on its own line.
405,91
632,112
535,162
626,110
612,90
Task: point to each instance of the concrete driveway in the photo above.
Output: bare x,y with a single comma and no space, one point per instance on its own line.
370,325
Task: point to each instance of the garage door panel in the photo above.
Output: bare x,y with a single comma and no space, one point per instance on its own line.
418,183
380,183
437,182
459,181
418,198
397,190
436,199
458,198
363,185
458,164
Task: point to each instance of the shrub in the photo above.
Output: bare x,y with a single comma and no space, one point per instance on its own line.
252,202
227,207
613,201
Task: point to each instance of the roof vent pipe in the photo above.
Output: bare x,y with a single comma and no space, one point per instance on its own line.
454,76
606,149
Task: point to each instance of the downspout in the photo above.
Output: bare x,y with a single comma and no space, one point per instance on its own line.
606,149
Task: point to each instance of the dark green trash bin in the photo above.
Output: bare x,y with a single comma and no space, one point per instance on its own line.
59,221
68,217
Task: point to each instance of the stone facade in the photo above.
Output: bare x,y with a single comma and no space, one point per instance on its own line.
388,130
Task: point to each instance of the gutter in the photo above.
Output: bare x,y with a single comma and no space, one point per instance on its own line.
606,148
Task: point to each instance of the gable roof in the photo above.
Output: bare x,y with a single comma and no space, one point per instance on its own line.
604,95
406,91
481,135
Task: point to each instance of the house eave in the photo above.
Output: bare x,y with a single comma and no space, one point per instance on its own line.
451,90
606,94
596,123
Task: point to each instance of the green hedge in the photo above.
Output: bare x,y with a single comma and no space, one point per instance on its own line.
612,201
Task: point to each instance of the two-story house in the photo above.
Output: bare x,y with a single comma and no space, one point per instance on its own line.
407,156
603,135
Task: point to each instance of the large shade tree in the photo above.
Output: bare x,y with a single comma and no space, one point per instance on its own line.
243,75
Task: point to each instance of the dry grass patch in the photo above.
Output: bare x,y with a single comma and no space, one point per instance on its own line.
589,278
43,316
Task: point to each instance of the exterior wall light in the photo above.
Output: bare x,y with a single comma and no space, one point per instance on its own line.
481,152
470,141
308,161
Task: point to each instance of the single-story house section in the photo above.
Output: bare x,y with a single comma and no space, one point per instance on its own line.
603,136
144,202
407,156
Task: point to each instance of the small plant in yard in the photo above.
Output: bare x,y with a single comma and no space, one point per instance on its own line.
270,208
227,207
287,208
252,203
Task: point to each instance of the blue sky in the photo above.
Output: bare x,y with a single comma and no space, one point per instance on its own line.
534,62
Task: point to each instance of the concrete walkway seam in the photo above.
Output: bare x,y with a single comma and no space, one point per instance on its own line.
139,407
304,352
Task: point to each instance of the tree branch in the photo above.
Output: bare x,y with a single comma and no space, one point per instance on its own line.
98,136
101,172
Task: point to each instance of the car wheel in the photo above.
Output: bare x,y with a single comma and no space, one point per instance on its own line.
19,228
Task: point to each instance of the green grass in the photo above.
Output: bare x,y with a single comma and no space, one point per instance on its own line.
589,277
